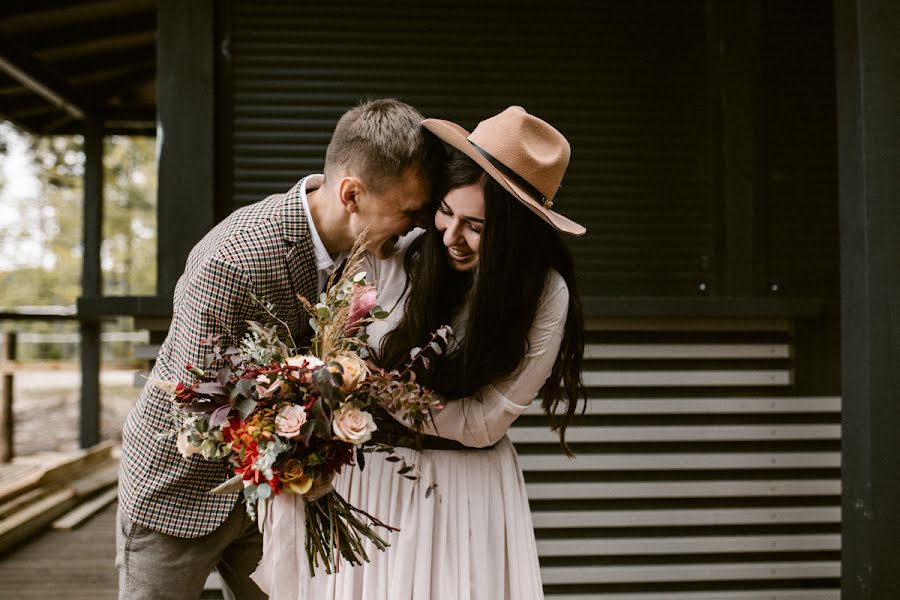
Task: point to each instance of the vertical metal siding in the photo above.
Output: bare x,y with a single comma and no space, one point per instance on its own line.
799,194
625,82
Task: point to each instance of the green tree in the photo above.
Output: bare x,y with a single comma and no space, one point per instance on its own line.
41,233
129,232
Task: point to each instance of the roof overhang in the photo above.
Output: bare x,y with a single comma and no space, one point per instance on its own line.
64,61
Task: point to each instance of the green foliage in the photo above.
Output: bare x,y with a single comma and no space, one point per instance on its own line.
41,235
129,227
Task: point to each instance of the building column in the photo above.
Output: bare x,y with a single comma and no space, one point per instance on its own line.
868,92
185,134
91,282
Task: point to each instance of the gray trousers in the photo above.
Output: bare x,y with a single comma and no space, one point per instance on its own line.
156,566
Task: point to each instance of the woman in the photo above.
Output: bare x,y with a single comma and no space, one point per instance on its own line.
493,267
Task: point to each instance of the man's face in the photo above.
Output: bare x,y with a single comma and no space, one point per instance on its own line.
395,212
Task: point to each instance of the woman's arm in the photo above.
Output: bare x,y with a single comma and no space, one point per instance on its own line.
483,421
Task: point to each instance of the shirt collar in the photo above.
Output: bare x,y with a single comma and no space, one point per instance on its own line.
324,261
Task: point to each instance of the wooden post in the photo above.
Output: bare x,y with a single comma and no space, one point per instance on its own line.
186,198
91,282
6,399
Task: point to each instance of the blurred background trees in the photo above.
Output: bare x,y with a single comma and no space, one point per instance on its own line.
41,226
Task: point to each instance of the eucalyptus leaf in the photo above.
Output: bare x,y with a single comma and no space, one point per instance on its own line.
223,376
219,415
243,388
211,388
307,430
245,407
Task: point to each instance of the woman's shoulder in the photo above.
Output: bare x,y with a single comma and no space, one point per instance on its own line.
555,284
555,297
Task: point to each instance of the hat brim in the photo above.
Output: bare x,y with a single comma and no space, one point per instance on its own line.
456,136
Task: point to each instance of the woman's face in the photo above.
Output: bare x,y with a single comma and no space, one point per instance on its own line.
460,219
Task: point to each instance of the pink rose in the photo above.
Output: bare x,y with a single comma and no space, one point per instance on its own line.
289,420
352,425
364,298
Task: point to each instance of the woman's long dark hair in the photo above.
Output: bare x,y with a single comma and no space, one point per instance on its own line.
517,252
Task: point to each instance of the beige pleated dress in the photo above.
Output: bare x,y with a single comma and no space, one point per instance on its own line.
473,538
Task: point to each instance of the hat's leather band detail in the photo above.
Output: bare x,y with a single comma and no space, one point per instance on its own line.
520,181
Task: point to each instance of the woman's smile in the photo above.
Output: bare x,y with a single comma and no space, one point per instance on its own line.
460,219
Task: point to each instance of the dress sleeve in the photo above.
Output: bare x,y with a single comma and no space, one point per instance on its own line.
483,420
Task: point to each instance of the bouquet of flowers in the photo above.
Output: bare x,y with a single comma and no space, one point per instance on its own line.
285,421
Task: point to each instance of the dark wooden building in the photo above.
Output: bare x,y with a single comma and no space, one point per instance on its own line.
735,164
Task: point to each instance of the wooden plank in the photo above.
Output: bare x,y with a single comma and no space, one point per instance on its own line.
707,378
687,351
90,483
78,564
690,572
86,510
31,519
693,433
684,489
762,594
703,406
624,546
672,461
24,499
55,468
687,517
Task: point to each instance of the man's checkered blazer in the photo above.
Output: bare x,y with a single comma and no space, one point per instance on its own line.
263,249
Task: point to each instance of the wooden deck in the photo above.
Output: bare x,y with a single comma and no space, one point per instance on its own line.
77,564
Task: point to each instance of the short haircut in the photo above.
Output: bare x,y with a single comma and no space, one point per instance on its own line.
379,141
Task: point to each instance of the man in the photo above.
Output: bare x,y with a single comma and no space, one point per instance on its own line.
378,171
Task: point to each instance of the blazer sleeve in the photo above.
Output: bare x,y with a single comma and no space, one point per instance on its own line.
215,301
483,419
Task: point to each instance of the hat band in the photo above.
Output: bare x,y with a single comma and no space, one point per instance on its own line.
515,177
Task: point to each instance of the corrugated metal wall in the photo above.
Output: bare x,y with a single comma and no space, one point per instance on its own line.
698,475
799,193
624,81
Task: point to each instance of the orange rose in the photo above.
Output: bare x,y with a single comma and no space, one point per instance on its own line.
294,478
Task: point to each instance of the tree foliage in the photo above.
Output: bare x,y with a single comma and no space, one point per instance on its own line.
41,231
43,243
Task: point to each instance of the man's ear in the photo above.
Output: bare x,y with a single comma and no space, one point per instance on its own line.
350,190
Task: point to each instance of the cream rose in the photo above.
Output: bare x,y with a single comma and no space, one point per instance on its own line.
352,425
355,370
184,444
289,420
310,362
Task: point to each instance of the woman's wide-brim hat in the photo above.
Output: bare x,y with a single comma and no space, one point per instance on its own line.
524,154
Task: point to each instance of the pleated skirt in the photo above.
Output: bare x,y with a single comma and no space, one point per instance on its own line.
471,539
